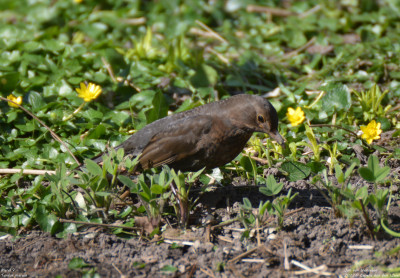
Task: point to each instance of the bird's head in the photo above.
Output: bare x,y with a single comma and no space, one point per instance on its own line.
258,115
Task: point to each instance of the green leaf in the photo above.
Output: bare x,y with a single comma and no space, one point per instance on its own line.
36,100
381,196
53,45
32,46
263,207
125,213
28,127
144,99
339,174
76,263
157,189
47,221
272,187
374,172
205,76
97,132
69,228
159,110
356,204
141,119
102,193
316,167
385,123
72,66
193,176
92,114
373,163
120,117
169,268
12,115
362,194
204,179
246,164
366,174
120,154
247,204
206,92
187,105
296,170
337,96
382,173
93,168
131,163
139,265
9,82
146,190
350,170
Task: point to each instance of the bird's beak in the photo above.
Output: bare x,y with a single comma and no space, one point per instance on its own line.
277,137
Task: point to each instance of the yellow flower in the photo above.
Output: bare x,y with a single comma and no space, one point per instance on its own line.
78,1
295,117
15,99
91,92
371,131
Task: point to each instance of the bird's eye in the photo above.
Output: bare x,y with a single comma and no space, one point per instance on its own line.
261,119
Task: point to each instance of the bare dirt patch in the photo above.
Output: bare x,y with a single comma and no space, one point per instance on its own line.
311,235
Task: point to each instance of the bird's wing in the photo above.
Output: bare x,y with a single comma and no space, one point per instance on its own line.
176,141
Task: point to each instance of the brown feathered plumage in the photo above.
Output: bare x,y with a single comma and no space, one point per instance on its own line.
208,136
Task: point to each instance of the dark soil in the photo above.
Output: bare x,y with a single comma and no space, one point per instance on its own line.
311,235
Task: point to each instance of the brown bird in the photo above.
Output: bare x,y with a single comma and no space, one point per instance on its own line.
208,136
